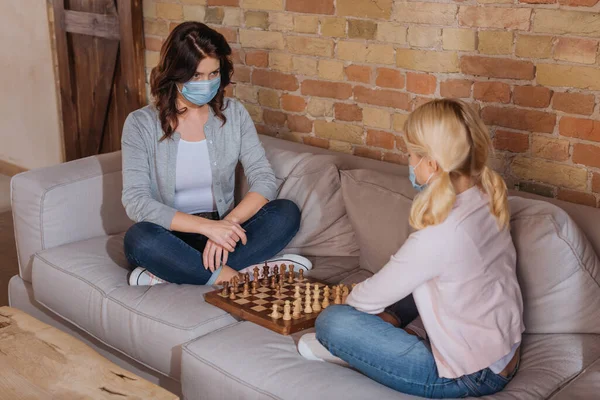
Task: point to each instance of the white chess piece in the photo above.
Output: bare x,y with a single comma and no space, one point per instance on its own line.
275,313
286,311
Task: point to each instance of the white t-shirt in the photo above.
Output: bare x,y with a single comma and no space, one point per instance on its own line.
193,178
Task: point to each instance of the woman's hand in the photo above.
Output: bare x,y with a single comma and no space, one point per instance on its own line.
214,256
224,233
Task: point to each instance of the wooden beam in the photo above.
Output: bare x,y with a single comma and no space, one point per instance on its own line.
85,23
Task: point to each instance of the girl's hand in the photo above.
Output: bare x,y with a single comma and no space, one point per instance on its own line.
224,233
214,256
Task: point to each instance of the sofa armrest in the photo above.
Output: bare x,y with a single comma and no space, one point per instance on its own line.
66,203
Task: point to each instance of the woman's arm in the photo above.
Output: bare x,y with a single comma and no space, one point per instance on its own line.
249,206
408,269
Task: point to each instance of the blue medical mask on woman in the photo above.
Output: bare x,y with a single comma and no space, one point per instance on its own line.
413,177
201,92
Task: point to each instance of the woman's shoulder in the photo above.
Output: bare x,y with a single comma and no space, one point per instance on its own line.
142,121
233,108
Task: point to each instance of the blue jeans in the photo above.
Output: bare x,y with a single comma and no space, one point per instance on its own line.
177,257
395,358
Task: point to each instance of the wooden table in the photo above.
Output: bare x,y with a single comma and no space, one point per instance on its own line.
38,361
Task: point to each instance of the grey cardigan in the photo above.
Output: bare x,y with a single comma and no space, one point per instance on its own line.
149,164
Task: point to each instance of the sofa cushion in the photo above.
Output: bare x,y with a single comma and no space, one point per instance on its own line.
86,283
378,205
557,269
325,230
261,364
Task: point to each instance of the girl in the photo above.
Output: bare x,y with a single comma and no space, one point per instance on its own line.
179,161
459,266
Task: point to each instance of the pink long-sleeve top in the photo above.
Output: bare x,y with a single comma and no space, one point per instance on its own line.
462,274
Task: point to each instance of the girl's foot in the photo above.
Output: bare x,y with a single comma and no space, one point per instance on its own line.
311,349
142,277
298,261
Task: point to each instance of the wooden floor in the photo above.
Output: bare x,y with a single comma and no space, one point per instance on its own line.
8,254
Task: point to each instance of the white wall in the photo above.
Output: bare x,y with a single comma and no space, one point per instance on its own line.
30,133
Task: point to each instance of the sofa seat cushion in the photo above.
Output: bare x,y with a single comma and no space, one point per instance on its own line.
86,283
558,270
584,387
261,364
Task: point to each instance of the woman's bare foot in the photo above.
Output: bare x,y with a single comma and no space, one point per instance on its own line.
227,273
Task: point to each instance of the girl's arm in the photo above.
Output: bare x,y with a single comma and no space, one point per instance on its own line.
249,206
408,269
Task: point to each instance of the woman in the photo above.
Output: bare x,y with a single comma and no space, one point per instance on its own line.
179,160
459,265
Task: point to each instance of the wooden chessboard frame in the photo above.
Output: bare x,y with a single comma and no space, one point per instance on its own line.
261,317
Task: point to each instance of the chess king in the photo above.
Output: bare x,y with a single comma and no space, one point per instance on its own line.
179,158
460,264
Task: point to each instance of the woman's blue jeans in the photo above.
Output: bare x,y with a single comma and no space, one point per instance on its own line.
177,257
395,358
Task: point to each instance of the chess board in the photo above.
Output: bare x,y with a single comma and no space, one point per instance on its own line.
258,307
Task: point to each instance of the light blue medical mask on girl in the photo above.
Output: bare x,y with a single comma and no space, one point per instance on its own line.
201,92
413,177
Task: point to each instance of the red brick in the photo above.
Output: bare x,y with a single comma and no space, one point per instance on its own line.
257,58
419,101
389,78
586,129
333,90
401,144
457,88
228,3
384,98
576,50
275,118
152,44
549,148
348,112
270,130
358,73
596,183
367,153
293,103
515,118
236,56
395,158
578,3
381,139
537,1
574,103
229,91
230,34
316,142
311,6
241,74
574,196
420,83
299,123
532,96
511,141
497,67
493,92
274,80
586,154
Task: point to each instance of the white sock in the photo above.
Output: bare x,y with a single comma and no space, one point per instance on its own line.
311,349
142,277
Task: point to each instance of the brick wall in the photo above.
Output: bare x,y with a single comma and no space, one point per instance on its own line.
344,74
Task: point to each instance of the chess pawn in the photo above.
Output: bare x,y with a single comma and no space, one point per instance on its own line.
307,307
232,295
297,293
345,293
276,270
338,297
301,274
325,302
225,291
234,284
273,282
316,306
246,292
297,308
326,293
265,270
278,292
254,287
307,290
291,273
255,275
275,313
286,311
247,278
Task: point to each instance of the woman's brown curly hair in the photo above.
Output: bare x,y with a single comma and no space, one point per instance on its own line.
187,45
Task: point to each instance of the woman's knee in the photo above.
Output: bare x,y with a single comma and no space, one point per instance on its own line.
334,323
288,211
140,236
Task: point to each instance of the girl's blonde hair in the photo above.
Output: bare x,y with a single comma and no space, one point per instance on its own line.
451,133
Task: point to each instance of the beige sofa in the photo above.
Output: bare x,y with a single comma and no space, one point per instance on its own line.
69,225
